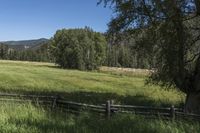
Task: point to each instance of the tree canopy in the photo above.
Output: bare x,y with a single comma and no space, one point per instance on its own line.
170,29
81,49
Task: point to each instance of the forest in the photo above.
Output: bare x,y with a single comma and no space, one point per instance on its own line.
120,53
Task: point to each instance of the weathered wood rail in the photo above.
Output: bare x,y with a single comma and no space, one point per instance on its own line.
109,108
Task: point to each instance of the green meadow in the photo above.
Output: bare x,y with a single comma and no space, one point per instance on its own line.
88,87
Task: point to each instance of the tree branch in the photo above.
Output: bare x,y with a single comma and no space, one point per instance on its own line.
193,58
195,40
197,3
194,28
190,17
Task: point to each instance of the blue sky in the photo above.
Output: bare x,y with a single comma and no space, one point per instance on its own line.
32,19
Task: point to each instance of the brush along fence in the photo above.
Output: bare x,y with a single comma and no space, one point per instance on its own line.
109,108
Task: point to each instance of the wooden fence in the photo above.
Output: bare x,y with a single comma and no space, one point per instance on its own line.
109,108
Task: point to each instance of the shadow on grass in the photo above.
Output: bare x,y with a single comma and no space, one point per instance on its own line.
88,123
56,66
62,122
101,98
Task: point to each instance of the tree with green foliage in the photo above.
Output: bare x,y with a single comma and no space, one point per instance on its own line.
40,53
3,51
170,28
122,51
81,49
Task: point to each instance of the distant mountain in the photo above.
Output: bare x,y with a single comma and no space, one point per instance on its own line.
25,44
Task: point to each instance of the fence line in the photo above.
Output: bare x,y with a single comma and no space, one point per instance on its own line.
109,108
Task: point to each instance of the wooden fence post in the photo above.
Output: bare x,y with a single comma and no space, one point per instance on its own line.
111,110
37,101
111,102
54,102
172,112
108,109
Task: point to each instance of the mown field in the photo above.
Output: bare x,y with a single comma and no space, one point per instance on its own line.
88,87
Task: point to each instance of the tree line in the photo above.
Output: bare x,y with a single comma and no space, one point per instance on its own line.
83,49
41,54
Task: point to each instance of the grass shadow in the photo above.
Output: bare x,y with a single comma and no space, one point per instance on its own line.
88,123
101,98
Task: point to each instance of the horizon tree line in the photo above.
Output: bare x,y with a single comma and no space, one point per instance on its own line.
82,52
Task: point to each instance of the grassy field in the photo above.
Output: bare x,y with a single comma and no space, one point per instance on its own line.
87,87
125,71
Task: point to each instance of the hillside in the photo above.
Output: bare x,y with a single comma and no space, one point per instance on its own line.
25,44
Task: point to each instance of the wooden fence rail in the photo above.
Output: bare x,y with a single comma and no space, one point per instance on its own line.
109,108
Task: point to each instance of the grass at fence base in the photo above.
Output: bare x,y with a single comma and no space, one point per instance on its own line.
90,87
26,118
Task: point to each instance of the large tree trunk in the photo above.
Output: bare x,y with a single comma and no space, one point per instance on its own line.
197,3
192,104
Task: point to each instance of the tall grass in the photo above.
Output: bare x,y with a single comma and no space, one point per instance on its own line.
26,118
92,87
